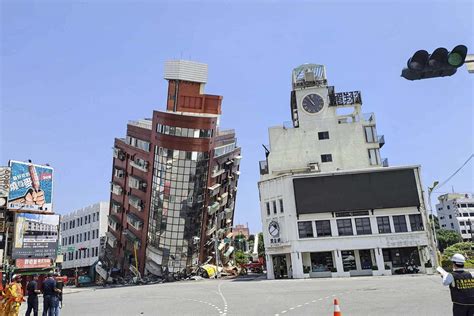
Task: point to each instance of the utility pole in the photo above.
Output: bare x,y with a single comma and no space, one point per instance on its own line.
433,229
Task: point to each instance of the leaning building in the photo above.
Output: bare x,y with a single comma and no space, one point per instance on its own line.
174,181
330,205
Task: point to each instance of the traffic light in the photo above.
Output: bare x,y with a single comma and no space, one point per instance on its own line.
440,63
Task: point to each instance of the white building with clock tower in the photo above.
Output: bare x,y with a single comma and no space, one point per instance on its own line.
330,205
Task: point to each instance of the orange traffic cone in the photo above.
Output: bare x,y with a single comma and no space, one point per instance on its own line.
337,310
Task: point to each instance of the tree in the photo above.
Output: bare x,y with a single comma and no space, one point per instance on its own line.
464,248
436,221
447,238
240,258
261,246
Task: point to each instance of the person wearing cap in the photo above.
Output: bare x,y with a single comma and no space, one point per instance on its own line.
32,291
13,297
461,286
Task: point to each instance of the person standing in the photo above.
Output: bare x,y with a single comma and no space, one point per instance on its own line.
32,291
13,297
49,290
461,286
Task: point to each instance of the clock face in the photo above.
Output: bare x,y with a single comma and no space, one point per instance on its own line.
274,228
313,103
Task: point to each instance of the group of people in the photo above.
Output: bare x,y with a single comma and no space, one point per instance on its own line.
12,296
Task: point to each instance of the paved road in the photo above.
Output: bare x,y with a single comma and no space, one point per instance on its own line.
395,295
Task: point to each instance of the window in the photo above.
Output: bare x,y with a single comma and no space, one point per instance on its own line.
344,227
89,218
97,233
96,251
323,135
274,207
400,223
463,231
374,156
370,134
268,208
451,216
97,216
363,226
89,235
470,204
323,228
471,214
465,214
452,225
305,229
416,222
281,206
448,207
461,223
326,158
383,224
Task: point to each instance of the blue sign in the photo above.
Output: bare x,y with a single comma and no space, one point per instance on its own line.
31,187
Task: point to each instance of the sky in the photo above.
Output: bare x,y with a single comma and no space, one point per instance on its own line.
74,72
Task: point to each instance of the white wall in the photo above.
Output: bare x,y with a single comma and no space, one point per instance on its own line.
101,224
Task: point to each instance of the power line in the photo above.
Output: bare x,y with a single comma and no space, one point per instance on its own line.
459,169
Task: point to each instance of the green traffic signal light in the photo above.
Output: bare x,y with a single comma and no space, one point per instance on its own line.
457,56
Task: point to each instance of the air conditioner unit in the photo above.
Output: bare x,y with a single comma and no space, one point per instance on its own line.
314,167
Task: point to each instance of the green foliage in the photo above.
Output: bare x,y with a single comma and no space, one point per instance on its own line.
241,257
447,238
436,221
464,248
261,246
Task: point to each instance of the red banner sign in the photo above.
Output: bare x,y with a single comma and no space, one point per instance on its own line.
33,263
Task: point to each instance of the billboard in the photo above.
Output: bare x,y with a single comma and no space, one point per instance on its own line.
356,191
32,263
31,187
35,236
4,184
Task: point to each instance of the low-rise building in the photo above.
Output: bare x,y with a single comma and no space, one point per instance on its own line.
456,212
80,235
330,206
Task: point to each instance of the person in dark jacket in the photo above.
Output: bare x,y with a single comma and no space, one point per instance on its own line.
32,291
461,286
49,290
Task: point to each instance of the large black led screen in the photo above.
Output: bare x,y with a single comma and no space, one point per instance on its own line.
359,191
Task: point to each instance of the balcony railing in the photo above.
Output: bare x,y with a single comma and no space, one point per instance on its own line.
211,230
224,198
117,207
345,98
211,209
147,124
116,189
135,202
132,237
135,221
216,173
140,166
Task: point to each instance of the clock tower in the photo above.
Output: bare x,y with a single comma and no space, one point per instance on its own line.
310,95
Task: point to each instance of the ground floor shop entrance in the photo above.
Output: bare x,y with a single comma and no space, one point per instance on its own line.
360,262
280,267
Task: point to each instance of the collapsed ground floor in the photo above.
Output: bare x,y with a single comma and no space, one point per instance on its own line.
346,263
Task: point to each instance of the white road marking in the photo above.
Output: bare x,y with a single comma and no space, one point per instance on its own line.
314,301
306,303
292,308
283,312
299,305
320,299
